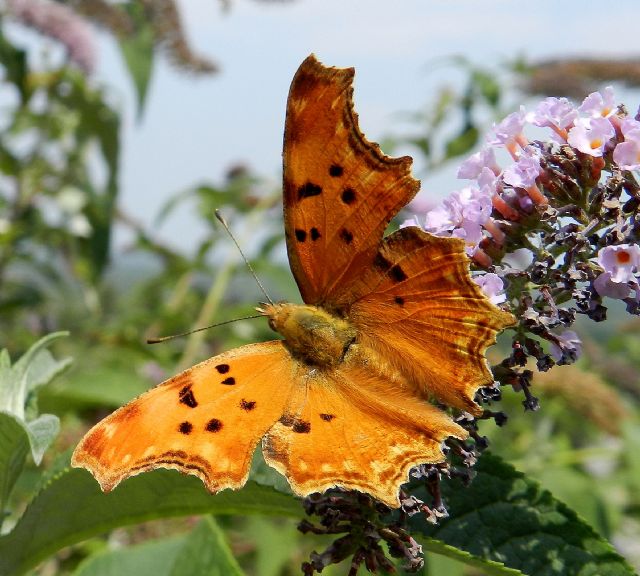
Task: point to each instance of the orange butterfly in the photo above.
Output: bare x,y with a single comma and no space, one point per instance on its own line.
388,324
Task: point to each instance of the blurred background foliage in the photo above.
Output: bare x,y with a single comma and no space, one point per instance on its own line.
60,149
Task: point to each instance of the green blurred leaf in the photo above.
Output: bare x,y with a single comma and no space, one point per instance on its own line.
96,123
206,553
274,541
203,552
153,558
462,143
137,51
631,433
101,377
72,507
423,143
14,61
505,517
487,85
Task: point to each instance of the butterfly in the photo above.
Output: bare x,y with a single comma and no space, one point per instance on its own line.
388,325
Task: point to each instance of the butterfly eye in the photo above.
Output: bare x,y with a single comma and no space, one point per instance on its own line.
272,325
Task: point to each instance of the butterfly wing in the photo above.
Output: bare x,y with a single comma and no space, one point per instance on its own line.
205,421
351,428
436,321
340,191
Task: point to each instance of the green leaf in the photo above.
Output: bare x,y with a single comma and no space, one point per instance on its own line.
489,567
14,62
137,50
14,447
153,558
206,553
487,86
507,518
34,369
102,376
462,143
72,507
274,541
17,386
265,475
203,552
18,431
41,432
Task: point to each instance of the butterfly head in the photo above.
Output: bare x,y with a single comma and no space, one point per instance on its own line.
312,334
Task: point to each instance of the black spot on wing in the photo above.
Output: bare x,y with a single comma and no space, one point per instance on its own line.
222,368
309,189
301,427
214,425
247,405
335,170
399,300
185,427
381,263
230,381
397,274
186,397
301,235
346,236
327,417
315,234
348,196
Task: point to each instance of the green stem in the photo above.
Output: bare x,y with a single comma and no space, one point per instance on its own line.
207,312
218,289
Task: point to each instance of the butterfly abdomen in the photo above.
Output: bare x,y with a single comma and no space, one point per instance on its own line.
311,334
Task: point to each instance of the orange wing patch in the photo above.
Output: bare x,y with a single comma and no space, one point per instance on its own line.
205,421
340,191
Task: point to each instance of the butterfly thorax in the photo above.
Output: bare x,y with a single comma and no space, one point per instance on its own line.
311,334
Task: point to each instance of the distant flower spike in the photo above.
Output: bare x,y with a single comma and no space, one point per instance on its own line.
60,22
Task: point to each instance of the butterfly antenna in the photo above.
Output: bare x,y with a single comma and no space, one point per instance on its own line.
165,338
246,261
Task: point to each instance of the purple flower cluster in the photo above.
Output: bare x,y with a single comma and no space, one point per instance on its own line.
594,128
571,202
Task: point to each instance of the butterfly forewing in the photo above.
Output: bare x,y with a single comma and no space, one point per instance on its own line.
340,191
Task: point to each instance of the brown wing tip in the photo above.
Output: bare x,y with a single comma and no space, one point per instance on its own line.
312,71
311,65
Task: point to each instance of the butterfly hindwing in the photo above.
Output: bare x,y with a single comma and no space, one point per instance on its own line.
353,428
340,191
205,421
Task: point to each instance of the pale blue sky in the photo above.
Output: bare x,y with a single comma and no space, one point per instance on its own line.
193,129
